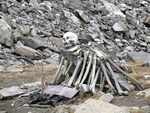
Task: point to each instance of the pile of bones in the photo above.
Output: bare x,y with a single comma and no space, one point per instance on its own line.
90,67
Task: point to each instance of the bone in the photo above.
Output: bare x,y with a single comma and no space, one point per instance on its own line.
124,73
79,61
107,77
67,70
120,91
87,70
83,68
93,69
92,87
102,82
58,73
99,53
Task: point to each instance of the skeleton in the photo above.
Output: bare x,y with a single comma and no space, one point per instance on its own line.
89,65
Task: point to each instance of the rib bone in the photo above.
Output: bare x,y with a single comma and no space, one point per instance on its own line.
87,70
83,68
79,61
58,73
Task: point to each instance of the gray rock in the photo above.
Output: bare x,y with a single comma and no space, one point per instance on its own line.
107,97
72,17
34,42
76,4
98,106
145,93
22,50
124,7
120,26
113,10
25,29
3,112
147,38
5,33
83,16
139,56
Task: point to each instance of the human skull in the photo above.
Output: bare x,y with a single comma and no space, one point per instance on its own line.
70,39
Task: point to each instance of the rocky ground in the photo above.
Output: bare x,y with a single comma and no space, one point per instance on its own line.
84,103
30,28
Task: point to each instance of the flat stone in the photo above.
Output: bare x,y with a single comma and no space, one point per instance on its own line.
5,33
145,93
98,106
26,51
34,42
139,56
3,112
147,38
10,92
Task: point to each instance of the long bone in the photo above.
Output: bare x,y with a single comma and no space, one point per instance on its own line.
67,70
107,77
93,69
120,91
79,61
102,81
92,87
87,70
124,73
58,73
99,53
85,58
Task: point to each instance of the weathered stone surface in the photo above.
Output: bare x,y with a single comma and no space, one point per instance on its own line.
97,106
145,93
3,112
27,51
5,33
119,26
34,42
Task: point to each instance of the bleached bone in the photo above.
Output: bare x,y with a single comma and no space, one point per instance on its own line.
79,61
85,58
58,73
87,70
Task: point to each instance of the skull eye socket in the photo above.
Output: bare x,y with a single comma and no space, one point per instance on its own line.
67,37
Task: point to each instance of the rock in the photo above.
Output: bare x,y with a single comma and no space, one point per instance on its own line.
107,97
60,91
62,109
75,4
72,17
17,35
147,38
3,112
27,51
98,106
120,26
139,56
5,33
147,21
10,92
34,42
135,110
124,7
113,10
83,16
145,93
25,29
